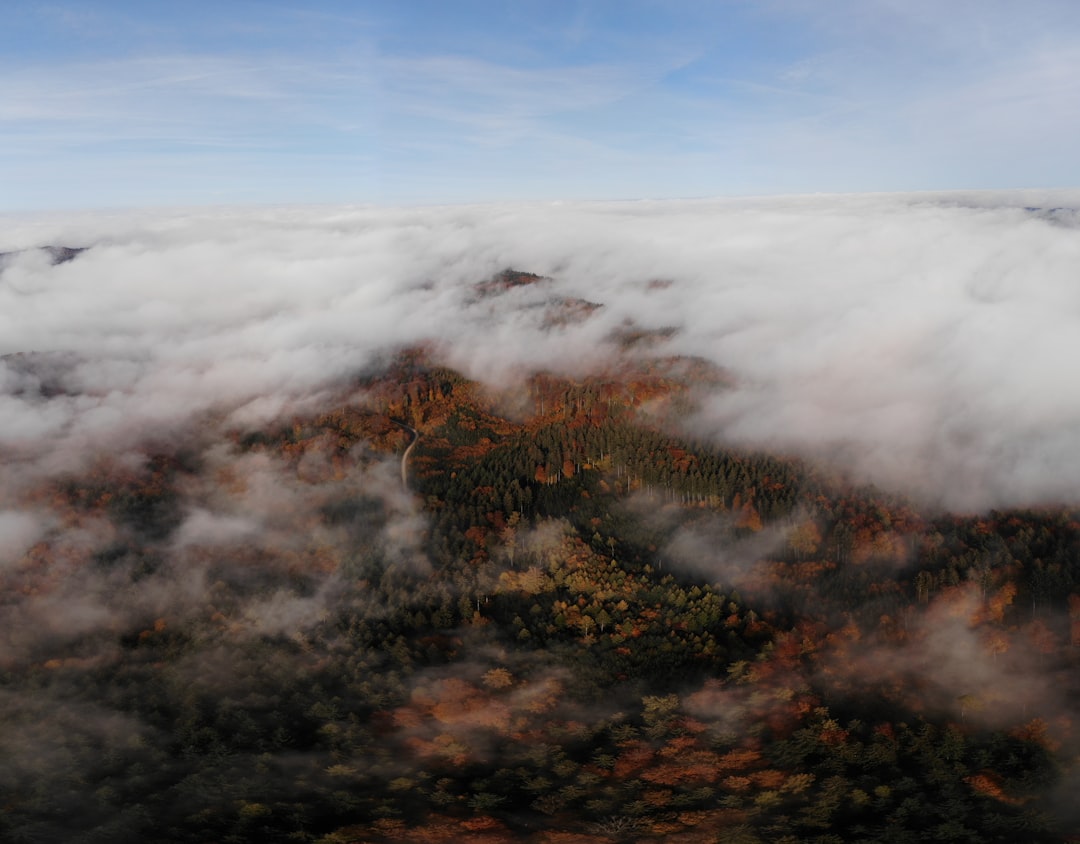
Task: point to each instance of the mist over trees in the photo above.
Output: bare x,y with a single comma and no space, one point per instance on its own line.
715,526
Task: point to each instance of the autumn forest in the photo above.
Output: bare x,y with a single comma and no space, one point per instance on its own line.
567,619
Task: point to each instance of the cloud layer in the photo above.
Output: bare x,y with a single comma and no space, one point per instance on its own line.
924,342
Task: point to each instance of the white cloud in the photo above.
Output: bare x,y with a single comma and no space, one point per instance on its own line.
205,528
924,341
19,530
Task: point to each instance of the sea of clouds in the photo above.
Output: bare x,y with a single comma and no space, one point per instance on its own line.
924,342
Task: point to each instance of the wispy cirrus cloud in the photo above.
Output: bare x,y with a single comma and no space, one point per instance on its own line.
179,95
499,100
402,104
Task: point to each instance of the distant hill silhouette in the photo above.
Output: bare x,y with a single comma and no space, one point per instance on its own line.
57,254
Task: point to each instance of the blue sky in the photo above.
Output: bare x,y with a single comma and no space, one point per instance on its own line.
146,102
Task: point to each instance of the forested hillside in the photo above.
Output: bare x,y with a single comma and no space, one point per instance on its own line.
578,623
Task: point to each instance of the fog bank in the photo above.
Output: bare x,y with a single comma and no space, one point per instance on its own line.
922,342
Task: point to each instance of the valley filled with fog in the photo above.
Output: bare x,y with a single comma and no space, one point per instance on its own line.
755,519
922,342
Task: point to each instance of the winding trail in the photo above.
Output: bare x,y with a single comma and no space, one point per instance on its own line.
405,457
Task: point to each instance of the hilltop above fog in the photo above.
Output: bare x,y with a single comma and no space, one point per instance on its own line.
919,341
